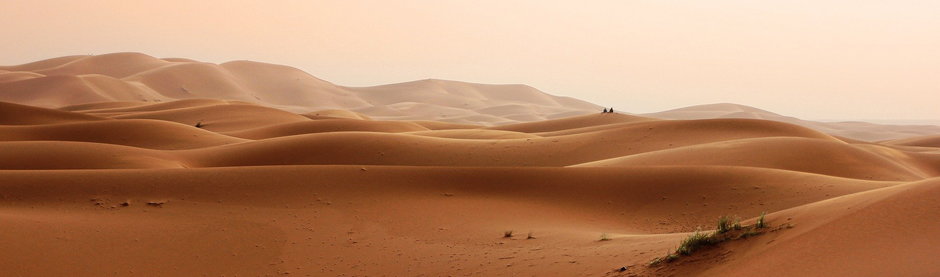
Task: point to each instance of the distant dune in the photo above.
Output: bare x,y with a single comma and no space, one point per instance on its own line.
136,77
855,130
125,164
924,141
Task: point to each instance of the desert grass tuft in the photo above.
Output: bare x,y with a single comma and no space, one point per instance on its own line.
760,221
701,239
605,237
727,223
695,241
507,234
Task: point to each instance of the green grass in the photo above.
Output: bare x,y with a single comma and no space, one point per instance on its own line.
760,221
727,223
701,239
695,241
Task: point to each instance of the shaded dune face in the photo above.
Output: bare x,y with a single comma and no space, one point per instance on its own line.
225,176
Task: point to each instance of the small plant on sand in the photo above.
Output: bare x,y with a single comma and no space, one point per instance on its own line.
760,221
529,235
507,234
729,228
605,237
695,241
727,223
199,124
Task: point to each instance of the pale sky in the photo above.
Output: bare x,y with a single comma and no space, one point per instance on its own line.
814,59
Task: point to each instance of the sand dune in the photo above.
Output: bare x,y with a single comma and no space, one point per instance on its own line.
335,114
881,220
126,164
855,130
288,139
129,187
326,126
61,90
440,99
225,117
798,154
306,223
924,141
80,155
153,134
90,107
571,123
136,77
43,64
141,78
476,134
7,76
288,86
13,114
117,65
117,108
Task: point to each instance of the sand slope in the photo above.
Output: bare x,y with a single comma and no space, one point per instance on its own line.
923,141
154,134
885,228
331,220
798,154
13,114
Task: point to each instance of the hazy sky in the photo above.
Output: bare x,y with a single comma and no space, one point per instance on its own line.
818,59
